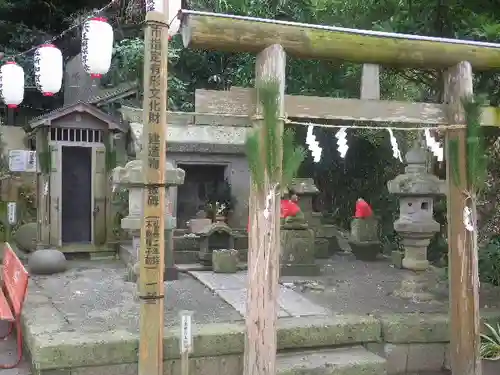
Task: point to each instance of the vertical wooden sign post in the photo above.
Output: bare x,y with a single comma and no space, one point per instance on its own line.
152,246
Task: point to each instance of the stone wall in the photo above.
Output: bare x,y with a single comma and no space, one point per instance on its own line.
411,343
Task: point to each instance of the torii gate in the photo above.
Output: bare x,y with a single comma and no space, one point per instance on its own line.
272,39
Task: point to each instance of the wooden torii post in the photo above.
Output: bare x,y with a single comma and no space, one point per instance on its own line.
456,58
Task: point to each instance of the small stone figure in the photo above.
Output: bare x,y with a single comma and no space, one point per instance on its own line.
364,241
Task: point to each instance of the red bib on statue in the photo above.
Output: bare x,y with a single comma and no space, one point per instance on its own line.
288,208
363,209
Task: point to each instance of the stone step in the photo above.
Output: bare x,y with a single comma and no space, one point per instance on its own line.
340,361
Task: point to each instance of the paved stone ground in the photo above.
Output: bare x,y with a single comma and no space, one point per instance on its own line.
93,297
350,286
8,354
344,286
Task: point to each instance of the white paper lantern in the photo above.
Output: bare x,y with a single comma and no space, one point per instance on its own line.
48,69
174,6
12,84
97,46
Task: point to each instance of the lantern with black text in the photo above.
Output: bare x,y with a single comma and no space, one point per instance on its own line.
97,46
48,69
12,84
154,6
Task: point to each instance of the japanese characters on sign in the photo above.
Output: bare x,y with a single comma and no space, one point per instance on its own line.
152,253
12,213
186,332
155,105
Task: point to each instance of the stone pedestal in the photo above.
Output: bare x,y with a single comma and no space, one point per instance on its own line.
225,261
326,242
364,240
418,286
415,245
297,250
131,177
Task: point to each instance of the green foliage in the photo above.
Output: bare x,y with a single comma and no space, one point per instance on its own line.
266,145
476,158
127,66
490,342
293,157
489,262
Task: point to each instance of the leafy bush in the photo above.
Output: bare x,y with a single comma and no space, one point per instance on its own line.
489,262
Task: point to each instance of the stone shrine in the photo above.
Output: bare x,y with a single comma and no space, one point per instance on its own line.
416,189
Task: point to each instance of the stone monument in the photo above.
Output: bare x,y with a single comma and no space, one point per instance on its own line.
297,256
364,238
131,177
416,189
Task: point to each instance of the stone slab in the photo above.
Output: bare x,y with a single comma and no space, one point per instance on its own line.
342,361
62,350
296,305
216,281
232,289
237,298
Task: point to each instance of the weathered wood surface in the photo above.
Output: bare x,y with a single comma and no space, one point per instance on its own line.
264,244
370,82
152,245
234,103
246,35
464,280
238,101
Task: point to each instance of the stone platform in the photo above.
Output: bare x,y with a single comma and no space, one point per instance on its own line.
85,322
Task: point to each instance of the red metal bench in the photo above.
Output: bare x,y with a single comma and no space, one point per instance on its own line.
12,294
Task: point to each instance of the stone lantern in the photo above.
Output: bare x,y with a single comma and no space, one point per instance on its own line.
131,177
416,189
306,190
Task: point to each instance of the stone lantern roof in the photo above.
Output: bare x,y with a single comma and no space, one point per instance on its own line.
416,181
